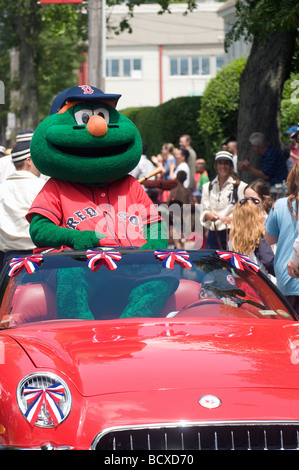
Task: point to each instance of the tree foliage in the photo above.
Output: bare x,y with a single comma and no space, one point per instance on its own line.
260,18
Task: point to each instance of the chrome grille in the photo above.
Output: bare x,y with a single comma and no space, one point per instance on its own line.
207,436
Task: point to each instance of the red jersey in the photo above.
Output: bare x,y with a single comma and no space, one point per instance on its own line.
119,210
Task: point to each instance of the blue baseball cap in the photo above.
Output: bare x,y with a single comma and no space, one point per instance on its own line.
82,93
221,281
292,129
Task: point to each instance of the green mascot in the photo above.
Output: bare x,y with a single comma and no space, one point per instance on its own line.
88,148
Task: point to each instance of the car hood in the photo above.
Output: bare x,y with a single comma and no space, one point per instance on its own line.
135,356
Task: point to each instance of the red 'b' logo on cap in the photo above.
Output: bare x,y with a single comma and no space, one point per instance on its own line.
87,90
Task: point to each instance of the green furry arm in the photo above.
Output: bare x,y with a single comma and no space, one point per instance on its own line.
156,235
45,233
72,294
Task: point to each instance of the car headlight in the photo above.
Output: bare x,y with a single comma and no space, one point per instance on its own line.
44,399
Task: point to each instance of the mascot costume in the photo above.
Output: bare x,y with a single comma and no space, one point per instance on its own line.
88,148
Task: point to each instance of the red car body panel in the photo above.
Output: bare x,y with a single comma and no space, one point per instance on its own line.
229,354
242,346
136,382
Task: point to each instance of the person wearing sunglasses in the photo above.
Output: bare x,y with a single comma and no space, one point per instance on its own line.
219,198
260,190
247,235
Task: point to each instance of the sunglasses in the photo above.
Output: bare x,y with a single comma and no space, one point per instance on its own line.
253,199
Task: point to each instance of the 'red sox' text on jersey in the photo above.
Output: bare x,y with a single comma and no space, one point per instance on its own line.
119,210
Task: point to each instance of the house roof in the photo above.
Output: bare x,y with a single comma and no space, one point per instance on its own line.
201,26
227,8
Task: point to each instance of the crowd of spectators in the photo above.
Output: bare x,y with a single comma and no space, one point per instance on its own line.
258,219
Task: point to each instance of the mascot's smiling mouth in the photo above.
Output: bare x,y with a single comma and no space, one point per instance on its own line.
93,152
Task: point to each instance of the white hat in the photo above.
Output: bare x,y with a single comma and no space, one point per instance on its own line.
224,155
20,152
24,136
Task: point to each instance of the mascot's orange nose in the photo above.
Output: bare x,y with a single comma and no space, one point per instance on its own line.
97,125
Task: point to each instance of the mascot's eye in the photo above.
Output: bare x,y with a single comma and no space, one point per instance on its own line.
82,116
103,112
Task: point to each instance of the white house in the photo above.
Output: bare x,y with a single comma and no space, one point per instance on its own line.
237,48
166,56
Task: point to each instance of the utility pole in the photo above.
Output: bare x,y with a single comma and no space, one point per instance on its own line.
96,43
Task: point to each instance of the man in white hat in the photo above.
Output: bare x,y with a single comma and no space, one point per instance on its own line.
16,195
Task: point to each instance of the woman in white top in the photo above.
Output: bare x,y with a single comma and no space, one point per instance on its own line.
182,156
219,197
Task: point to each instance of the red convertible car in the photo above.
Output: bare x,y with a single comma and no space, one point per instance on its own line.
131,350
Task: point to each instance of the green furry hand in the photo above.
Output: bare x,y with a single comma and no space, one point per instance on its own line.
86,239
156,235
45,233
155,245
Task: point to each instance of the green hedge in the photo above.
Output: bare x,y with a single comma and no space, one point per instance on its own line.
167,122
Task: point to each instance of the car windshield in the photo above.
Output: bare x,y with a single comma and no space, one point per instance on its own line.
137,284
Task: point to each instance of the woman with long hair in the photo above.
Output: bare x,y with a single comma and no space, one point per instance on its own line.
219,197
247,234
293,264
281,228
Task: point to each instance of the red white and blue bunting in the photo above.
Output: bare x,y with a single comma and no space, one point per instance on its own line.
98,258
238,261
30,264
170,258
50,396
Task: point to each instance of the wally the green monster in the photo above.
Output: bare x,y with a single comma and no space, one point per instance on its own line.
88,148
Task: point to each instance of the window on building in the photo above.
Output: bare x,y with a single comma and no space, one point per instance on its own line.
219,62
123,68
114,68
190,65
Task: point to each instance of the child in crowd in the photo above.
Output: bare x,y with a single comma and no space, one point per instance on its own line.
180,194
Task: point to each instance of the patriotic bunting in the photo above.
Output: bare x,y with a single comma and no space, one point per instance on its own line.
30,263
50,396
169,258
97,258
238,261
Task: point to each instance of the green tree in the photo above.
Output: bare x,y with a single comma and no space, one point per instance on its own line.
47,38
271,25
